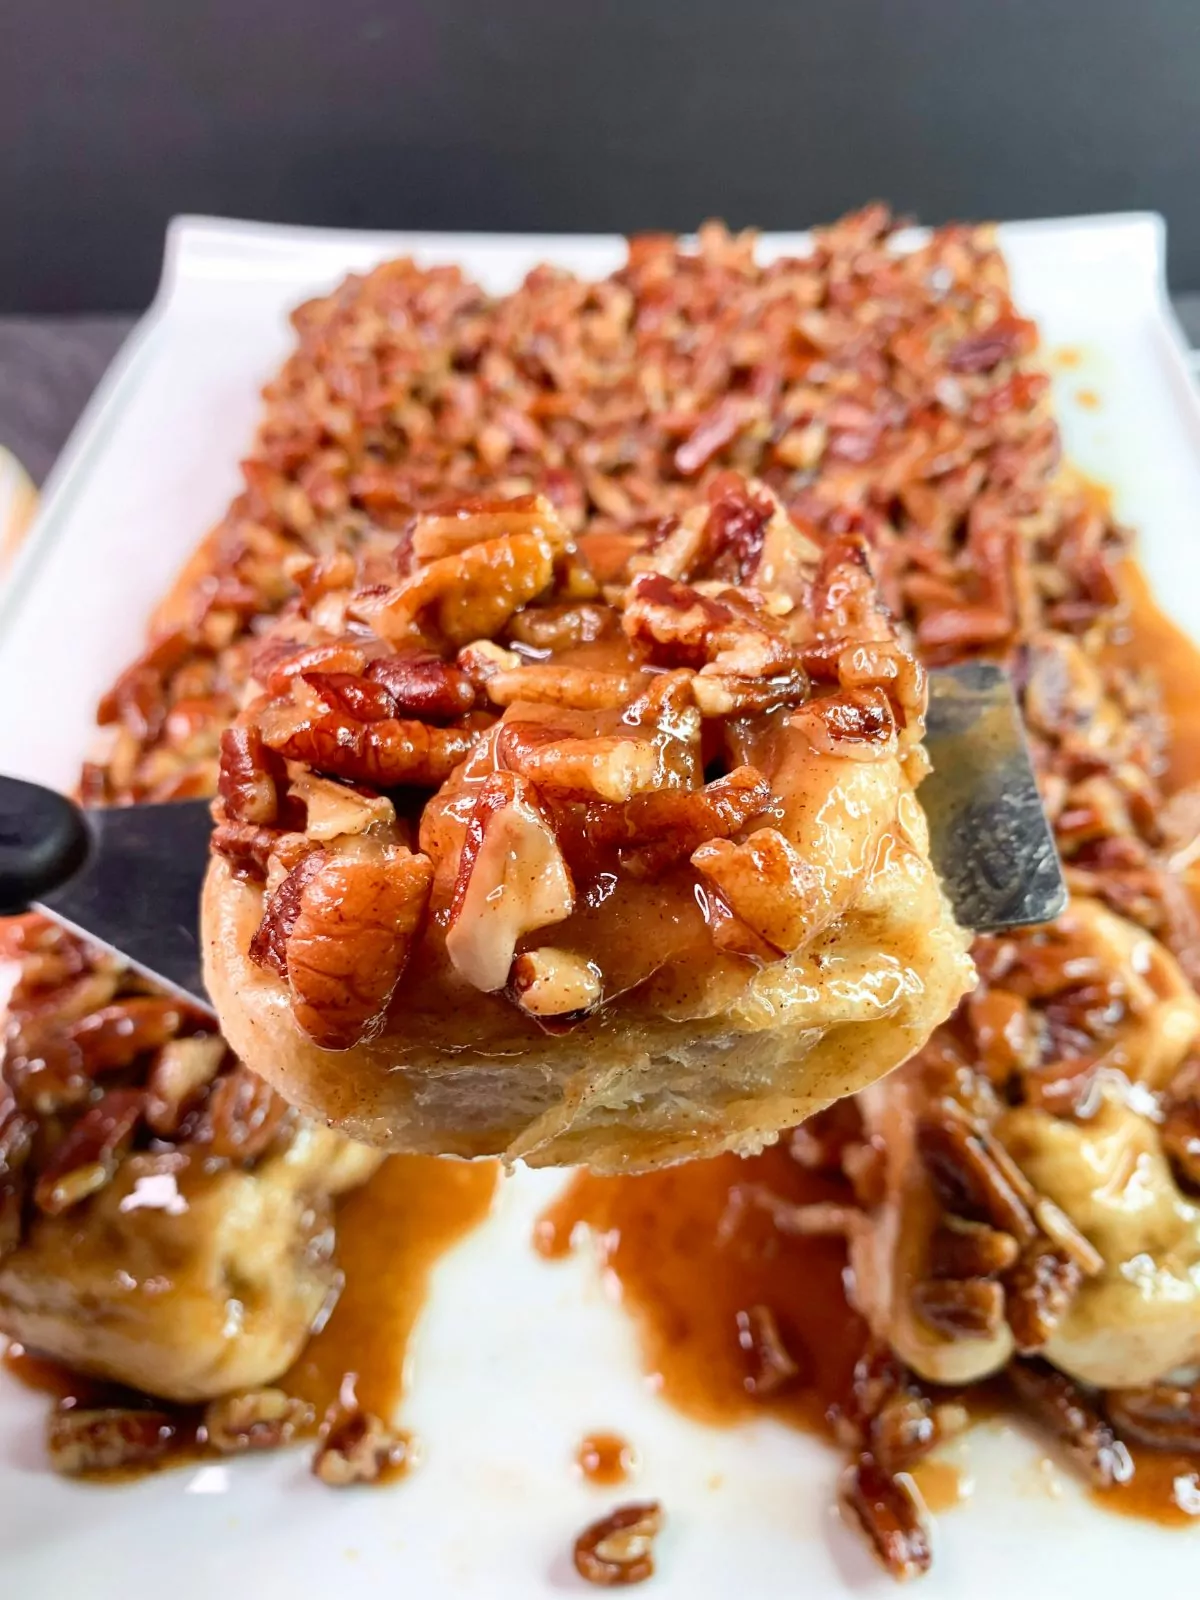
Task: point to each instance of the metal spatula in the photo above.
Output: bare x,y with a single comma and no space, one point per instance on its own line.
129,876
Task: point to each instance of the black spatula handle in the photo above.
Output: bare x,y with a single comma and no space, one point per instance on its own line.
43,843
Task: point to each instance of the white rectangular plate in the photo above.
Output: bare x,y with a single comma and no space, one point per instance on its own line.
515,1360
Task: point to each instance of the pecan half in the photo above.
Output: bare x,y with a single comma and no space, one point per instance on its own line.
421,684
356,922
384,754
250,776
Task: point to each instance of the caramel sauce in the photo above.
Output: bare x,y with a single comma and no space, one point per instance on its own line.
1165,1488
391,1233
606,1459
689,1257
1151,640
941,1483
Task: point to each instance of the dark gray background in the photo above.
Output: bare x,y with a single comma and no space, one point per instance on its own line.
573,114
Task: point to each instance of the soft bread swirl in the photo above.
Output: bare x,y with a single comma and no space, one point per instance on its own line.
577,950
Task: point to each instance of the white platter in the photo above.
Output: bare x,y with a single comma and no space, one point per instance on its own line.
514,1360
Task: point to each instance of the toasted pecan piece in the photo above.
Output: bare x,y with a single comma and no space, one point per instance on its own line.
86,1158
1073,1418
355,925
612,767
466,596
887,1510
618,1550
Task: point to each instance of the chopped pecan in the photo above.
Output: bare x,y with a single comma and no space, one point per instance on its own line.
1066,1238
668,825
719,426
449,529
735,529
855,723
182,1071
560,627
1063,1408
511,880
1165,1416
770,1364
86,1158
1180,1129
16,1143
962,1249
1007,337
246,845
886,1509
1040,1289
971,1172
610,766
113,1037
80,1440
577,688
335,810
243,1117
466,596
356,1446
255,1419
676,625
962,1308
481,661
766,883
555,983
618,1550
278,661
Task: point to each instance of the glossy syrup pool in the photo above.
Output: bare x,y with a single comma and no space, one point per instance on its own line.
691,1251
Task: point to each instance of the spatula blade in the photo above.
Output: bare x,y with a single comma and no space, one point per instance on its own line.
989,837
138,892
